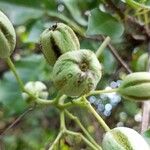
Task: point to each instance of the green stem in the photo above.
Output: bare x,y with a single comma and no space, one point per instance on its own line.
62,99
12,67
82,137
79,101
44,101
62,120
56,140
97,116
101,92
62,123
146,19
58,98
52,102
75,102
19,80
62,113
136,5
71,116
103,46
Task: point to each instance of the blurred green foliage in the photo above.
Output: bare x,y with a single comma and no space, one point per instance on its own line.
30,18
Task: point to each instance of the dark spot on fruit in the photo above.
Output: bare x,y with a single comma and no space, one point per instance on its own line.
61,83
58,71
57,50
79,82
80,79
84,67
69,75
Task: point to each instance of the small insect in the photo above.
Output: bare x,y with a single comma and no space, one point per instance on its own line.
53,27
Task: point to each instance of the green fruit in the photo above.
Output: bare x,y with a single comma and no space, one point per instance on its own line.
7,36
123,138
76,73
142,62
136,86
57,40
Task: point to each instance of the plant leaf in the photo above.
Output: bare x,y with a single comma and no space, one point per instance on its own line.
146,135
73,8
20,14
105,24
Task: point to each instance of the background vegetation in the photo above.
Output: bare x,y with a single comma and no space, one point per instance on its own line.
92,20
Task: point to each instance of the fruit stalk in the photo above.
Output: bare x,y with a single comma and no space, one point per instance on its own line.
98,117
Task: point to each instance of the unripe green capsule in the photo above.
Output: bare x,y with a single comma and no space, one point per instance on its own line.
136,86
57,40
7,36
123,138
76,73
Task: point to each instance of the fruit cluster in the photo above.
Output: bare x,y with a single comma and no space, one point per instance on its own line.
76,72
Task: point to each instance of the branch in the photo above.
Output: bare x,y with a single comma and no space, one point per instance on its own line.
101,92
119,59
102,46
112,50
117,56
80,102
16,121
63,130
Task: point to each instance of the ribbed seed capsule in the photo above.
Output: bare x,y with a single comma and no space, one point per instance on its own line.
136,86
57,40
123,138
7,36
76,73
